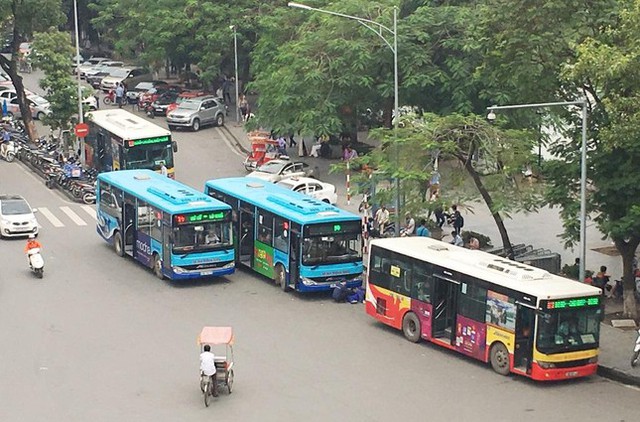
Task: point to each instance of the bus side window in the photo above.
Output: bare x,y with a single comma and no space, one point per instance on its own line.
422,282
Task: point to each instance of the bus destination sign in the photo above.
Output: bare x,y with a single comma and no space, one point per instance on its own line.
582,302
200,217
156,140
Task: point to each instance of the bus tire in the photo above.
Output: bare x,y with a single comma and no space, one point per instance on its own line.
157,267
281,278
500,358
411,327
118,247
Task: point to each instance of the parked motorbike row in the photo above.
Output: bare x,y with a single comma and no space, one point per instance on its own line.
44,158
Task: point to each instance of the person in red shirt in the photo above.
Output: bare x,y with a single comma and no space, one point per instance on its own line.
31,244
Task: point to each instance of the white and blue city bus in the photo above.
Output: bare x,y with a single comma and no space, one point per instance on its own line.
169,227
298,241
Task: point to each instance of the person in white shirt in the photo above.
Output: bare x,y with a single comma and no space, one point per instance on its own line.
410,227
381,219
163,169
208,367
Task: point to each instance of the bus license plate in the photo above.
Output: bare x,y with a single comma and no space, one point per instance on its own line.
571,374
206,273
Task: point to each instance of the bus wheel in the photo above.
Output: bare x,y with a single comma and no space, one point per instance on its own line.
117,244
157,267
500,358
411,327
281,278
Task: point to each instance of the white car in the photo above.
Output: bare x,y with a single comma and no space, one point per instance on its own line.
39,106
89,64
276,170
314,188
16,217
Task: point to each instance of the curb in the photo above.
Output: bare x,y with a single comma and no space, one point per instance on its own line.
237,143
618,375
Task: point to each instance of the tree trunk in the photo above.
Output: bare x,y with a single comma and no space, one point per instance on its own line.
628,251
10,68
506,243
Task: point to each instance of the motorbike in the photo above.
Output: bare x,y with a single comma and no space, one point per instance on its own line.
110,98
8,151
635,359
150,111
36,262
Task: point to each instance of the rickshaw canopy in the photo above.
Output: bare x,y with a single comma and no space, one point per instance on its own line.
216,335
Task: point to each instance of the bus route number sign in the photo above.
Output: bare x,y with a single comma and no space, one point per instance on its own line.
200,217
582,302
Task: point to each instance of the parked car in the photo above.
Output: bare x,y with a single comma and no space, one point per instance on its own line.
96,79
133,95
162,102
197,112
39,106
107,65
89,64
8,92
277,170
16,217
185,95
316,189
130,76
154,92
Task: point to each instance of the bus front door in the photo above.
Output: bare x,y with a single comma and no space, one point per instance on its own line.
444,308
294,258
247,233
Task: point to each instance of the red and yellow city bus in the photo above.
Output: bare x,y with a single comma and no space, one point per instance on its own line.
521,319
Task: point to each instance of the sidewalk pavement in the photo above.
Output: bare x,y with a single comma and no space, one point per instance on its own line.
539,229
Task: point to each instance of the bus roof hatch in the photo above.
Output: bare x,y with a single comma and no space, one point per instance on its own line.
178,196
515,270
303,206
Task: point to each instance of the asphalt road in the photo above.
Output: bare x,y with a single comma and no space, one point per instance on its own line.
101,339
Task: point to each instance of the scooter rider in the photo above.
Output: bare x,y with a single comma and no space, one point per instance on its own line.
6,138
32,243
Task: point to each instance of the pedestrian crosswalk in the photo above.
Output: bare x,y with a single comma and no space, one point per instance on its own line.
63,216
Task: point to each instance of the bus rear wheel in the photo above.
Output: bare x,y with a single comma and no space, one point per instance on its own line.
117,244
411,327
157,267
500,359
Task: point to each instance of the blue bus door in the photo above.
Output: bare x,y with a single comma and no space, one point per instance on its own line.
247,233
130,216
167,242
294,257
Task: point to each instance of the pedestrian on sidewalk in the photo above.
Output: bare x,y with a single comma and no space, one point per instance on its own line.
422,229
292,142
458,219
457,239
440,216
119,94
226,87
381,219
244,107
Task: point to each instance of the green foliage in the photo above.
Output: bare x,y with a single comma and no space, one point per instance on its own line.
54,58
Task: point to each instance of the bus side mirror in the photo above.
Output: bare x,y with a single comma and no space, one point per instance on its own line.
174,145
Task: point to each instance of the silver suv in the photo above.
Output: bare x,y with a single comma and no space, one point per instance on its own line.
196,112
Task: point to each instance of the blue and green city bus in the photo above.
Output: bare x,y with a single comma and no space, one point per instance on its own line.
176,230
298,241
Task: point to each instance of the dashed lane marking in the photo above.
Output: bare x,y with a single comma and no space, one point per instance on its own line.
49,216
89,210
73,216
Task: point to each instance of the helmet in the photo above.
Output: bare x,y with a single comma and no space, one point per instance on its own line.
31,236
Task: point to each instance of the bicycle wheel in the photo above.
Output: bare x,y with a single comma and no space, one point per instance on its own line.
207,392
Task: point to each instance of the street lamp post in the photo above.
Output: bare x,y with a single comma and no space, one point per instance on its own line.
380,30
583,167
235,49
80,113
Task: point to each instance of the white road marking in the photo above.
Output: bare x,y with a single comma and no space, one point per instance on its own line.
73,216
52,218
90,209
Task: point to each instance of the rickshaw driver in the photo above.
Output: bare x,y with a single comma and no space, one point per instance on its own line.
208,367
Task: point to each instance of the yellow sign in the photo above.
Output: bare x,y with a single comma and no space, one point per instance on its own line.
395,271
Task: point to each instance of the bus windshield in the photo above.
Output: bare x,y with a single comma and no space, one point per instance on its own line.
334,249
202,237
148,156
568,330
